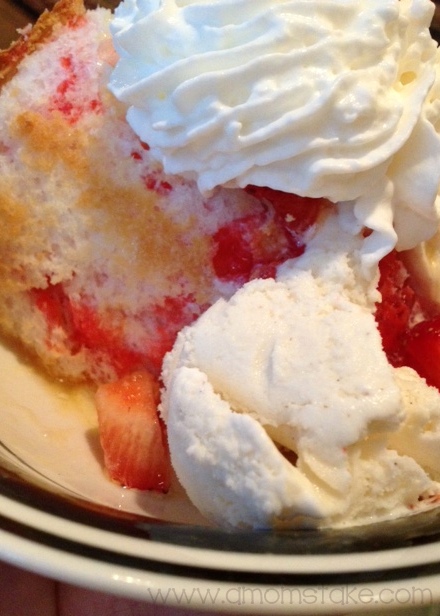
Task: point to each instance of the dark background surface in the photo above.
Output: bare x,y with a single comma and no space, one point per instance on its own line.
17,13
12,16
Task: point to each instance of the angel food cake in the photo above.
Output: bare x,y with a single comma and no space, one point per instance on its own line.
241,272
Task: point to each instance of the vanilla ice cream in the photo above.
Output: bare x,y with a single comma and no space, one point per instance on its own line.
282,408
322,100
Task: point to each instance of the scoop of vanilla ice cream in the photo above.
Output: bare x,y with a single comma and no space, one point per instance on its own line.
280,402
324,99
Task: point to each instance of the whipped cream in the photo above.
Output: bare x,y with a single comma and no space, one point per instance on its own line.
325,99
280,403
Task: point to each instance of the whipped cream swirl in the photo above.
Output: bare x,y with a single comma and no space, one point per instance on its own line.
323,99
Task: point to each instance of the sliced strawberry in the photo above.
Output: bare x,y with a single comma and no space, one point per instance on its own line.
254,245
393,313
233,258
131,433
423,350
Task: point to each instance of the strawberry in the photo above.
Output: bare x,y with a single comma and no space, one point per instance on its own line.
422,348
394,312
297,214
253,246
233,259
132,434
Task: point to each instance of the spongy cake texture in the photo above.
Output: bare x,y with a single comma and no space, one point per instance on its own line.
103,258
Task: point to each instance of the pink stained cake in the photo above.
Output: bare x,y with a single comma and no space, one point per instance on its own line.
103,257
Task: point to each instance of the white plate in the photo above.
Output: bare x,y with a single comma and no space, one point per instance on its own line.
60,516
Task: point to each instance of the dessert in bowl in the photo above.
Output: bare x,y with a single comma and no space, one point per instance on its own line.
220,220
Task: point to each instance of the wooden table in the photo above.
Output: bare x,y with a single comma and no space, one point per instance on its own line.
12,16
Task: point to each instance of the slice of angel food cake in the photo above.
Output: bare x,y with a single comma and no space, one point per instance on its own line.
223,217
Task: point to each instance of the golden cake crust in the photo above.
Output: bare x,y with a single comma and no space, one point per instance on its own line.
63,12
